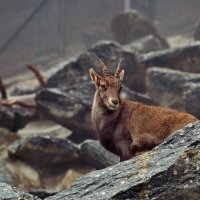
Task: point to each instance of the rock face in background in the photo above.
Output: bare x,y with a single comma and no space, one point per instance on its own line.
145,44
130,26
176,89
14,118
197,32
110,53
170,171
186,58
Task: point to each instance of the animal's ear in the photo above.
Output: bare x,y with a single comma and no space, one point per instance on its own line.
94,76
121,75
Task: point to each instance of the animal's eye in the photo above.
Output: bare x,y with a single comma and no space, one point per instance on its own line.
103,86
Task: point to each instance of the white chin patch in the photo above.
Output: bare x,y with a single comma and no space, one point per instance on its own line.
112,107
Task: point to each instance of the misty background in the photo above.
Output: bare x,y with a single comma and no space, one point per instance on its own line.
42,31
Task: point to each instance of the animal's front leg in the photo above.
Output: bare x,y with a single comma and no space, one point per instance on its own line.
124,150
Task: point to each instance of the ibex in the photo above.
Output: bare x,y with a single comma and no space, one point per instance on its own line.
128,128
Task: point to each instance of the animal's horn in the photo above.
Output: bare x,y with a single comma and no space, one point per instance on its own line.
118,71
103,67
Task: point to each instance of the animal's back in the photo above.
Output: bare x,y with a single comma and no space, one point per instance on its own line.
157,122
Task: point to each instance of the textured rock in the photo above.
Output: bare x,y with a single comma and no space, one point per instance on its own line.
145,44
197,32
131,25
169,171
14,118
184,58
92,153
53,152
176,89
110,52
41,151
8,192
7,137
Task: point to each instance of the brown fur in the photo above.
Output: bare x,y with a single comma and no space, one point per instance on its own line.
129,128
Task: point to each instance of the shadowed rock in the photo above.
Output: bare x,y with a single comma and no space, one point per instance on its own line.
54,152
176,89
110,53
94,154
169,171
41,151
132,25
14,118
185,58
197,32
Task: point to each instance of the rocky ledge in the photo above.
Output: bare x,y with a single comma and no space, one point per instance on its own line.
170,171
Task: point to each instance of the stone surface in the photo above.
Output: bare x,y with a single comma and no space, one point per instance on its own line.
7,137
131,25
197,32
52,153
169,171
44,128
96,155
185,58
8,192
14,118
110,53
145,44
44,151
176,89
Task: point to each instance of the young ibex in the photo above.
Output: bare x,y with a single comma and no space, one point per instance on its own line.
125,127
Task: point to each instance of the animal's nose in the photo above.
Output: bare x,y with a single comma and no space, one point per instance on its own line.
115,101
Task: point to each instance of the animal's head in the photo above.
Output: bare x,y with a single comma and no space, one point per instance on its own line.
107,86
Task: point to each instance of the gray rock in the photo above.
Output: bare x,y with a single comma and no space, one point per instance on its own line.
70,109
7,137
5,176
191,98
12,193
184,58
51,153
14,118
169,171
176,89
145,44
110,53
96,155
131,25
42,151
197,32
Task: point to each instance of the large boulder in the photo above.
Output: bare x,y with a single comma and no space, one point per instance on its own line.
169,171
43,151
131,25
10,192
110,53
176,89
145,44
14,118
185,58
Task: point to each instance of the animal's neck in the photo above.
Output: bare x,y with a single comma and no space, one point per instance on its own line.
102,118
